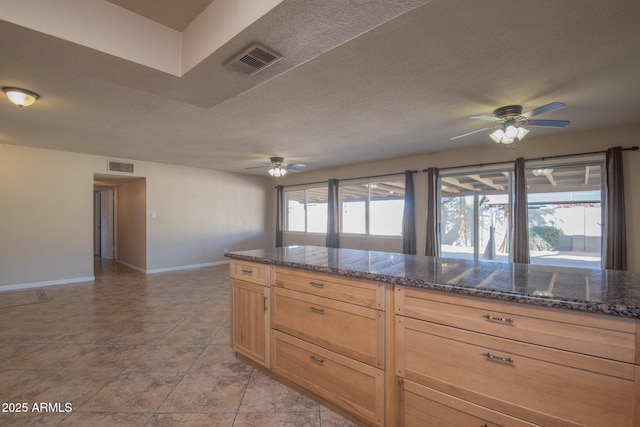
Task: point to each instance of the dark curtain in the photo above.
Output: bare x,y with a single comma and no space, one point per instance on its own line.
520,239
409,216
279,216
333,215
433,246
615,241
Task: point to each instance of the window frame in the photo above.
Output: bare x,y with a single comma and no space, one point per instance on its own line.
454,172
367,204
306,189
597,159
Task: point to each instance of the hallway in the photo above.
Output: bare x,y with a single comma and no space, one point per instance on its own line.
136,350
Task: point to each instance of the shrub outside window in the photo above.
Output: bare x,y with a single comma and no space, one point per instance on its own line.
565,210
565,214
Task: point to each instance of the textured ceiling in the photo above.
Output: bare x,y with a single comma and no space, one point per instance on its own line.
360,81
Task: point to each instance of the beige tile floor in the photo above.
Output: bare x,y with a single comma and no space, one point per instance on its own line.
136,350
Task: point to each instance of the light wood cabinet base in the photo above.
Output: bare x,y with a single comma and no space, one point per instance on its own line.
425,407
353,385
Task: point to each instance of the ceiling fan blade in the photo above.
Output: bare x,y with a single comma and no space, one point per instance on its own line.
544,109
470,133
258,167
295,167
488,118
548,123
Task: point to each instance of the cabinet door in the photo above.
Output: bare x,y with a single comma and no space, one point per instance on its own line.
250,329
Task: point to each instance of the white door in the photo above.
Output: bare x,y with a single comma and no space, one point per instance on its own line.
107,223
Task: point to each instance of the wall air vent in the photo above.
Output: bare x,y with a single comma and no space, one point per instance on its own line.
120,167
254,59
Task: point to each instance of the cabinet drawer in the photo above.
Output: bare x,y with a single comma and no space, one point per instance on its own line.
348,329
425,407
538,384
368,294
593,334
353,386
250,272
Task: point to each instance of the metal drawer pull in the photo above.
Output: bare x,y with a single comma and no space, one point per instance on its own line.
498,319
498,358
317,310
316,284
317,360
245,271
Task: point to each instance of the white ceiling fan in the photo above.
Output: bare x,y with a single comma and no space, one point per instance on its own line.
278,168
509,122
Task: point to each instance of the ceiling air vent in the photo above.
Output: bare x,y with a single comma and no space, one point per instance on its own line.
120,167
254,59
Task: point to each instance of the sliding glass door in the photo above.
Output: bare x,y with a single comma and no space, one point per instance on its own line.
474,214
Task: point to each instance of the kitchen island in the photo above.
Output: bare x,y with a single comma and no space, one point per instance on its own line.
393,339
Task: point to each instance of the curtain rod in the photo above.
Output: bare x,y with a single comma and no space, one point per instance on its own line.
350,179
634,148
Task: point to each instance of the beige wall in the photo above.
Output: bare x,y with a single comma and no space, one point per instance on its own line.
561,143
46,206
201,212
132,223
46,216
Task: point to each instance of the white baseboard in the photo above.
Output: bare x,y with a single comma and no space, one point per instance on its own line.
92,278
47,283
177,268
131,266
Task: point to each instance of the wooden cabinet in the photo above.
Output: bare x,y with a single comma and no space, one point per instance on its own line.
329,338
426,407
408,356
354,291
250,330
609,337
513,360
353,386
260,274
348,329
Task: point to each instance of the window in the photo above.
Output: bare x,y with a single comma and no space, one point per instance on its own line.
474,215
565,214
372,207
565,210
306,209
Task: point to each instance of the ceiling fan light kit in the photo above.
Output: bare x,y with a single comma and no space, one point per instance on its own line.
278,169
509,122
509,135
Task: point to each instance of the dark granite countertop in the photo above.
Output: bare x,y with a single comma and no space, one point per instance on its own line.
599,291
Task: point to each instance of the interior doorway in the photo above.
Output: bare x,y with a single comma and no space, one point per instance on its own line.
104,222
119,218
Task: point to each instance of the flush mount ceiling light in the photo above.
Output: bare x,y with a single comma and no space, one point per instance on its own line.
20,97
509,121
